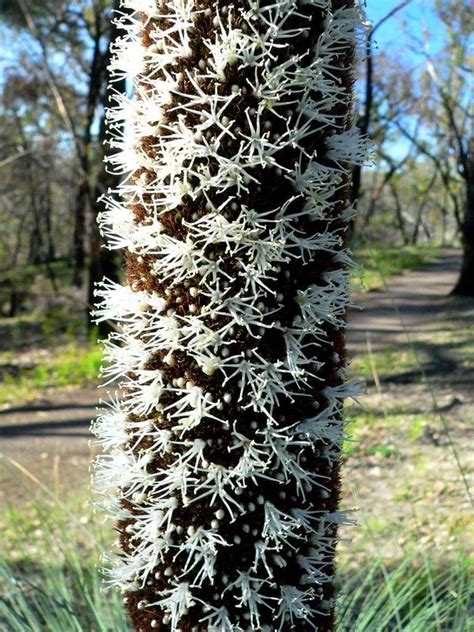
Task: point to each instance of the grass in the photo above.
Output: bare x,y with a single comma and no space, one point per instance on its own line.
34,328
385,362
49,565
367,428
58,599
50,580
58,588
69,365
47,351
376,263
415,595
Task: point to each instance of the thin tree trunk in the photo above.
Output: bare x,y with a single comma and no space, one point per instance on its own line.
13,301
422,202
104,261
79,232
444,219
399,213
85,193
364,123
48,207
465,283
35,245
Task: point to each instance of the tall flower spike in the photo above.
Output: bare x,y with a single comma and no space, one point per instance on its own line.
224,451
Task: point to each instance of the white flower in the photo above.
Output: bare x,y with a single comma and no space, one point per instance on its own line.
214,487
176,602
111,428
294,604
280,528
190,408
201,548
145,392
249,596
218,620
228,47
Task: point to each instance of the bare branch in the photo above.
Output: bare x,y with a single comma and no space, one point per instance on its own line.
20,154
389,15
60,103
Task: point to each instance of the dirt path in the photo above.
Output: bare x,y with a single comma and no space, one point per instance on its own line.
50,437
411,461
414,302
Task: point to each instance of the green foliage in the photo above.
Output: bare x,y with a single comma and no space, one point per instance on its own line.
369,431
70,365
415,596
376,263
386,451
60,321
75,366
23,279
57,599
385,362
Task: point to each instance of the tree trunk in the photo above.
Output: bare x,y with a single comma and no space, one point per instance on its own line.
13,301
84,197
465,284
399,213
231,353
48,209
78,238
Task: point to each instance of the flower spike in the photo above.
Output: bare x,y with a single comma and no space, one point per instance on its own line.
235,146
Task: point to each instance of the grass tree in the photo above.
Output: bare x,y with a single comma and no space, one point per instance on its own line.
223,461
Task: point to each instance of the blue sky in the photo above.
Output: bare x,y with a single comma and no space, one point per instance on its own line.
421,11
415,18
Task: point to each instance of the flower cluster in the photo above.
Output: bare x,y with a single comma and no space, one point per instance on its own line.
222,455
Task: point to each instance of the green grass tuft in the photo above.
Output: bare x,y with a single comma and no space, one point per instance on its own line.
416,595
49,575
49,580
58,599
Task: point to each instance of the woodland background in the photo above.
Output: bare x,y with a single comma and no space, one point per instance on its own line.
408,460
414,100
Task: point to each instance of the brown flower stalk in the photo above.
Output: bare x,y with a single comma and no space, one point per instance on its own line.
225,449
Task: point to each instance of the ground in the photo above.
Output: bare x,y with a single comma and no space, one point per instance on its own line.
409,464
408,461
